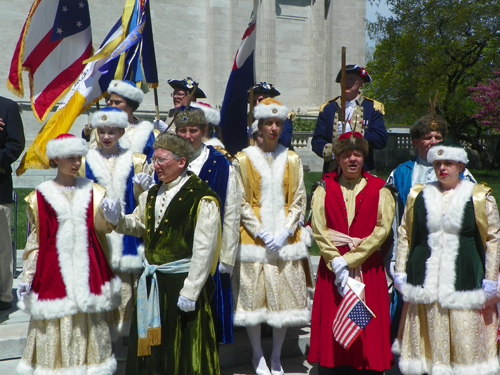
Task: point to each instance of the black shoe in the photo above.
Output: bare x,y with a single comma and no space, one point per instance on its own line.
5,305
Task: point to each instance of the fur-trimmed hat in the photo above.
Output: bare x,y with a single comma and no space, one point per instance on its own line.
188,85
268,108
355,69
174,143
350,141
191,116
212,115
110,116
427,124
66,145
447,150
265,88
126,89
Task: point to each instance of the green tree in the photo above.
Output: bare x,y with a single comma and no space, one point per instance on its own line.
424,46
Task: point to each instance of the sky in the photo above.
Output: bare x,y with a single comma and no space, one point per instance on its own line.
371,15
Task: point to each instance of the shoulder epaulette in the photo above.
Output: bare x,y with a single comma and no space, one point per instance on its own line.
377,106
326,103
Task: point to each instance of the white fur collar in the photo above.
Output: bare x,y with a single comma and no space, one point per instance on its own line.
72,249
136,136
444,228
272,197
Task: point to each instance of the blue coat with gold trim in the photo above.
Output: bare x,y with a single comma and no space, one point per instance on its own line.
373,125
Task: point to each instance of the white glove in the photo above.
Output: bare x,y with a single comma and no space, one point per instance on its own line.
490,289
185,304
399,280
265,236
112,210
342,278
23,290
342,291
146,181
339,128
280,240
338,264
225,268
160,125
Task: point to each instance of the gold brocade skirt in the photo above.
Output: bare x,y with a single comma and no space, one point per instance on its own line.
276,294
74,344
121,317
434,339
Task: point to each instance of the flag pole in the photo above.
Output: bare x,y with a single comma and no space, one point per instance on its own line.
250,114
363,302
342,90
157,107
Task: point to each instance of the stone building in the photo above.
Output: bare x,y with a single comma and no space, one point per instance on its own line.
298,47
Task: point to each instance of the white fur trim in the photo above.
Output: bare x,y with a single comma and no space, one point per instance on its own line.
396,347
72,250
126,90
438,152
277,319
415,367
137,138
212,115
116,187
131,263
255,253
108,367
443,240
306,235
66,147
266,111
490,367
113,119
272,206
214,142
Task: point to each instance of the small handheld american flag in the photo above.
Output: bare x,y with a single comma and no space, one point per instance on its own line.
352,317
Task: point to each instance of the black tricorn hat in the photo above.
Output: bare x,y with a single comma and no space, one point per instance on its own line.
355,69
266,89
187,84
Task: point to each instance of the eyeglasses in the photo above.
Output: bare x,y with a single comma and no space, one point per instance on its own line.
160,161
177,95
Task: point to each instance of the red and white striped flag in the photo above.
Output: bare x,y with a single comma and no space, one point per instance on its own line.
55,40
352,317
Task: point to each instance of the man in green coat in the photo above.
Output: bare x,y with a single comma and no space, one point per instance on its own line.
172,331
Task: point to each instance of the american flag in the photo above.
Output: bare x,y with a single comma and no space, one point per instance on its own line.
352,317
54,42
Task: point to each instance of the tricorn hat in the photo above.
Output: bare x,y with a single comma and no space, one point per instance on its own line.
355,69
187,84
265,89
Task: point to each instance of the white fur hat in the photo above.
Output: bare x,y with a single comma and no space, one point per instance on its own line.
66,145
126,89
110,116
270,108
212,115
447,150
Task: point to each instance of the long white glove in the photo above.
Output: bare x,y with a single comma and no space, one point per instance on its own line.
112,210
280,240
185,304
490,289
225,268
399,280
338,264
265,236
160,125
339,128
23,290
146,181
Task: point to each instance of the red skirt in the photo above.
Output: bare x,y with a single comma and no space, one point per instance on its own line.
372,348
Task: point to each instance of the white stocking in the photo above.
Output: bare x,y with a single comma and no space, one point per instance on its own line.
258,360
278,339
